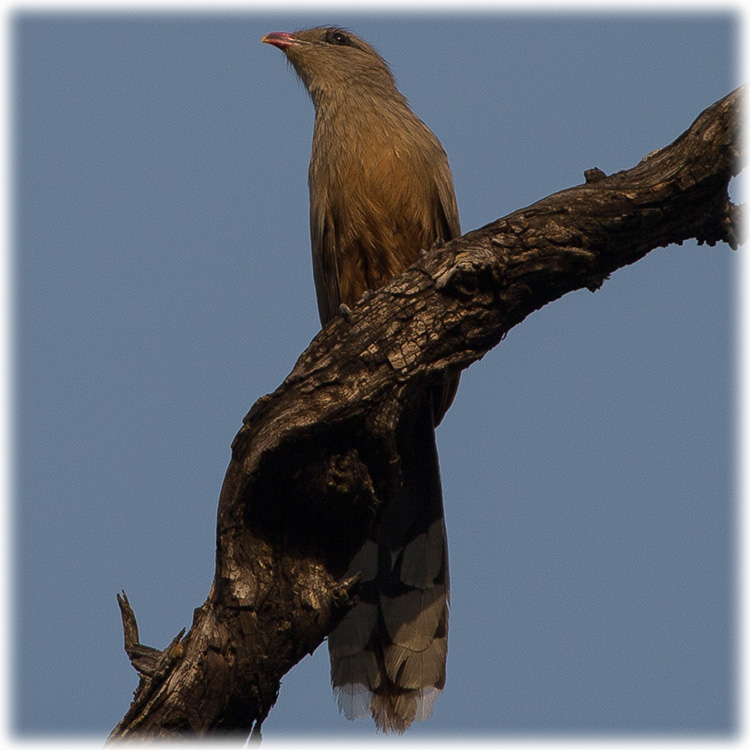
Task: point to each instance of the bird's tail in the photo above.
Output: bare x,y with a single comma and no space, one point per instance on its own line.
388,654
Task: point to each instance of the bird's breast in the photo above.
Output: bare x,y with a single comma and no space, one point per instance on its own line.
373,193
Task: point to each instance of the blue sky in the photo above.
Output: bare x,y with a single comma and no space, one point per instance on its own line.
162,283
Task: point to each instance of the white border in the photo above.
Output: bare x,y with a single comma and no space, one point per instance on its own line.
742,741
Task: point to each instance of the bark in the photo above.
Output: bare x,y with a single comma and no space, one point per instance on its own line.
315,459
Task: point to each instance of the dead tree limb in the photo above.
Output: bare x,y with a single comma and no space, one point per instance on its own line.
314,460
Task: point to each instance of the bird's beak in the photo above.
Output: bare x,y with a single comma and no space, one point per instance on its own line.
281,39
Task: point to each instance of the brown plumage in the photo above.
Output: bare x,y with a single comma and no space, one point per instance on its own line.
380,193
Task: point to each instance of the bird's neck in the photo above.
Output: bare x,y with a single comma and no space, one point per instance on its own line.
358,110
351,96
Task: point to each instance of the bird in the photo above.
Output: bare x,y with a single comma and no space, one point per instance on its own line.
381,193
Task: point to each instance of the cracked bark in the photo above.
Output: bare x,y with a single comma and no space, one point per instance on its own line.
315,459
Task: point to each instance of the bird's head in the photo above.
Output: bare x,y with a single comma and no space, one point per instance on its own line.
331,61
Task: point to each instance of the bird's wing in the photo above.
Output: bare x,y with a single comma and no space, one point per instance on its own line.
325,268
448,225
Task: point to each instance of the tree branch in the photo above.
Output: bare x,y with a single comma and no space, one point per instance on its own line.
315,459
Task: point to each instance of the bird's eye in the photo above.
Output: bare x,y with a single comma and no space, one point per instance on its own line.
338,37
